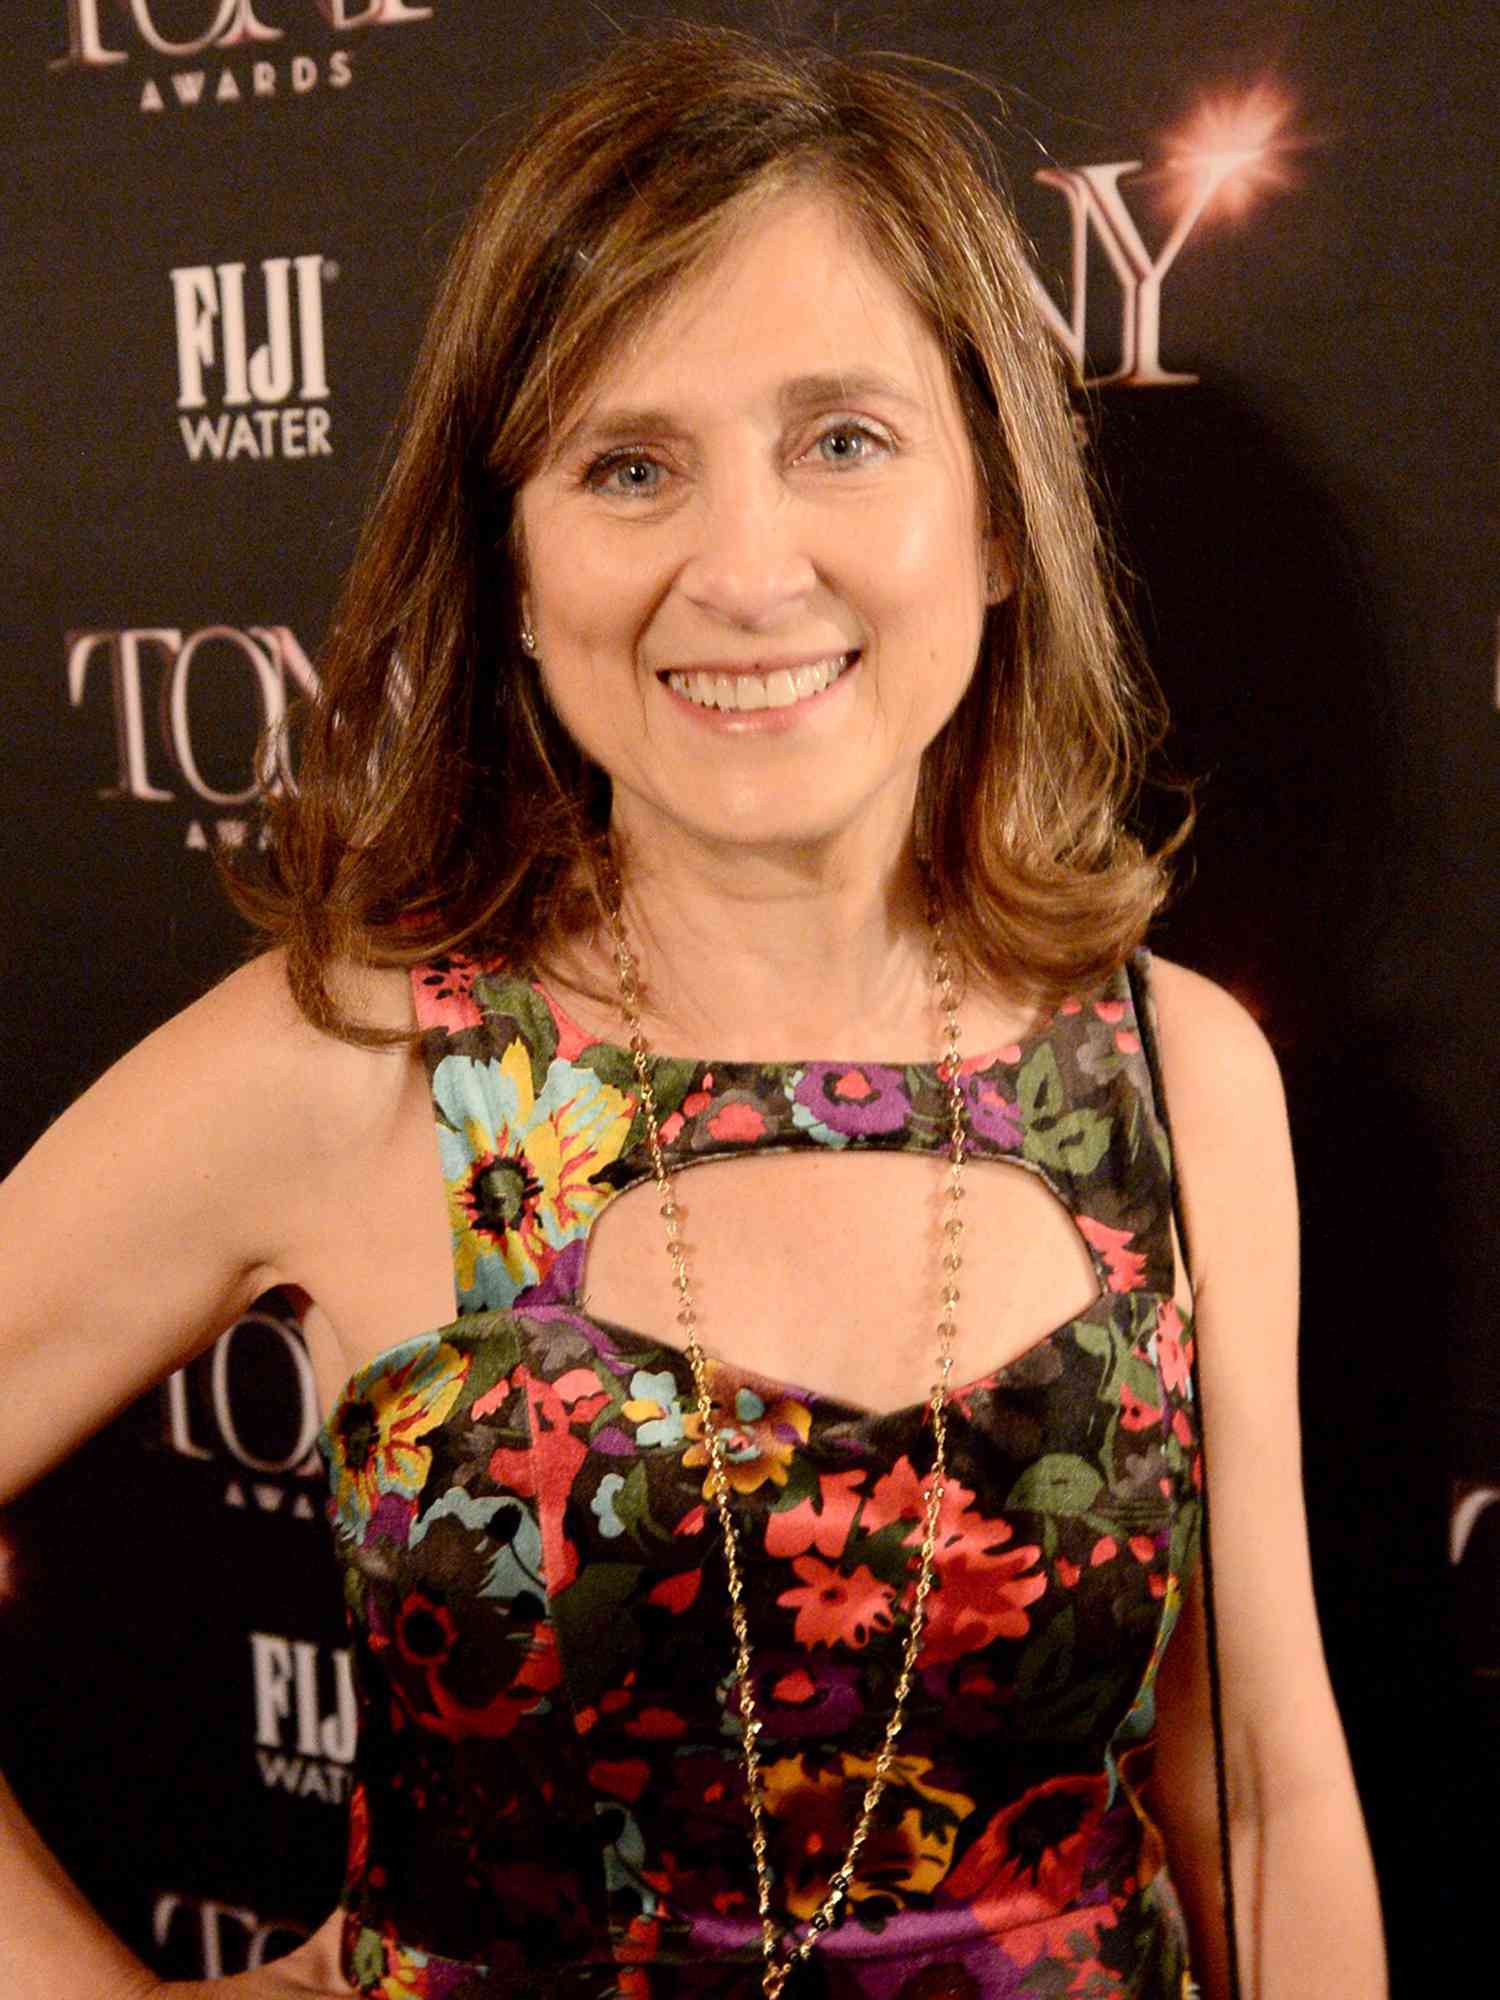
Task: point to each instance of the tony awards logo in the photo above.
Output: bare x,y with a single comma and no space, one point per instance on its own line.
249,1408
206,1939
188,708
1213,167
178,39
254,347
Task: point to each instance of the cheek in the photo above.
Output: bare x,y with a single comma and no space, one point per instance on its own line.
912,552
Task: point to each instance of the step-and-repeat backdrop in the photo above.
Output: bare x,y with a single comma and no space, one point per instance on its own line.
1264,234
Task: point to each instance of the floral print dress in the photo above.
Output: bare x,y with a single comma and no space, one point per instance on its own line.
549,1793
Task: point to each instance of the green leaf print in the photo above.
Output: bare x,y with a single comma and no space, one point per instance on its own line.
632,1502
671,1079
1093,1338
518,1002
610,1065
1047,1663
1076,1143
1073,1141
1039,1086
1140,1378
1058,1483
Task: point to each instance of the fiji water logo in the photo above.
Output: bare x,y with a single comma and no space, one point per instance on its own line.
177,40
305,1716
252,359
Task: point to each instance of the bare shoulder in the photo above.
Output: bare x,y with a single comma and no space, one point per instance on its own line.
1214,1054
248,1040
1230,1139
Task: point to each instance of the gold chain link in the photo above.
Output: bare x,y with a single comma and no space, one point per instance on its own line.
784,1951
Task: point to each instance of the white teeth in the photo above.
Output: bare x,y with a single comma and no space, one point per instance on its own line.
784,687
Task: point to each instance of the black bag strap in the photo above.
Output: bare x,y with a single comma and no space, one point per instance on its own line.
1146,1026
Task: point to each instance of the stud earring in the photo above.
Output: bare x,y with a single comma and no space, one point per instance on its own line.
528,641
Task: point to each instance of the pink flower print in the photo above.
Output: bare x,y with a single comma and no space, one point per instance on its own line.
1134,1414
737,1122
1126,1268
1174,1349
445,996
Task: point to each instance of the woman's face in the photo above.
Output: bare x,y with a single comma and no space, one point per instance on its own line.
753,559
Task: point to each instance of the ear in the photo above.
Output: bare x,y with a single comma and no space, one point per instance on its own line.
999,577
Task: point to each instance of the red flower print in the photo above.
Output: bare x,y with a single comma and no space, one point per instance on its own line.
982,1590
737,1121
1067,1573
1174,1349
837,1610
359,1830
1127,1041
1134,1414
1112,1011
570,1037
825,1527
1104,1550
493,1712
1142,1548
676,1593
545,1469
796,1689
447,997
1182,1430
625,1779
424,1629
1028,1862
1126,1268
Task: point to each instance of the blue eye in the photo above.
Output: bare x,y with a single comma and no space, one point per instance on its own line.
850,444
630,474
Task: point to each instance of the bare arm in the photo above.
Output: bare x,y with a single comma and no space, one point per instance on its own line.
188,1171
1307,1915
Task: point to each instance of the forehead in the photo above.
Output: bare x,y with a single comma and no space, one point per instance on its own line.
793,290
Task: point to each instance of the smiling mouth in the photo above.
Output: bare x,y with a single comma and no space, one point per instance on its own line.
778,687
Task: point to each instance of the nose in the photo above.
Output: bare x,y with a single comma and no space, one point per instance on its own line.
748,562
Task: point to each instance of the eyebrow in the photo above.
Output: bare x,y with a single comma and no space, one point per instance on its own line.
796,398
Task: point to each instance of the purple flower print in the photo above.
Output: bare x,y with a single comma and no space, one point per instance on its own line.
853,1098
990,1115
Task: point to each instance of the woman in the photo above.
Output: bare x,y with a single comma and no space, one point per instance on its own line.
721,759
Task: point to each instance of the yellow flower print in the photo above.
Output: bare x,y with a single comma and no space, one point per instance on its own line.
910,1845
757,1441
372,1438
521,1165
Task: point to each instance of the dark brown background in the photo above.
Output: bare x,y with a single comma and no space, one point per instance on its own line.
1311,529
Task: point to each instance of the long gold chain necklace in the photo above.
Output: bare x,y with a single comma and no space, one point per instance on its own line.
784,1950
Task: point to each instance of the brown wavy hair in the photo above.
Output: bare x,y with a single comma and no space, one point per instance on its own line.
440,806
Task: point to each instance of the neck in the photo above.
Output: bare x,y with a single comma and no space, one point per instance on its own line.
778,953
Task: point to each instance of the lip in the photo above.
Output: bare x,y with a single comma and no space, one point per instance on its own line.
758,721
